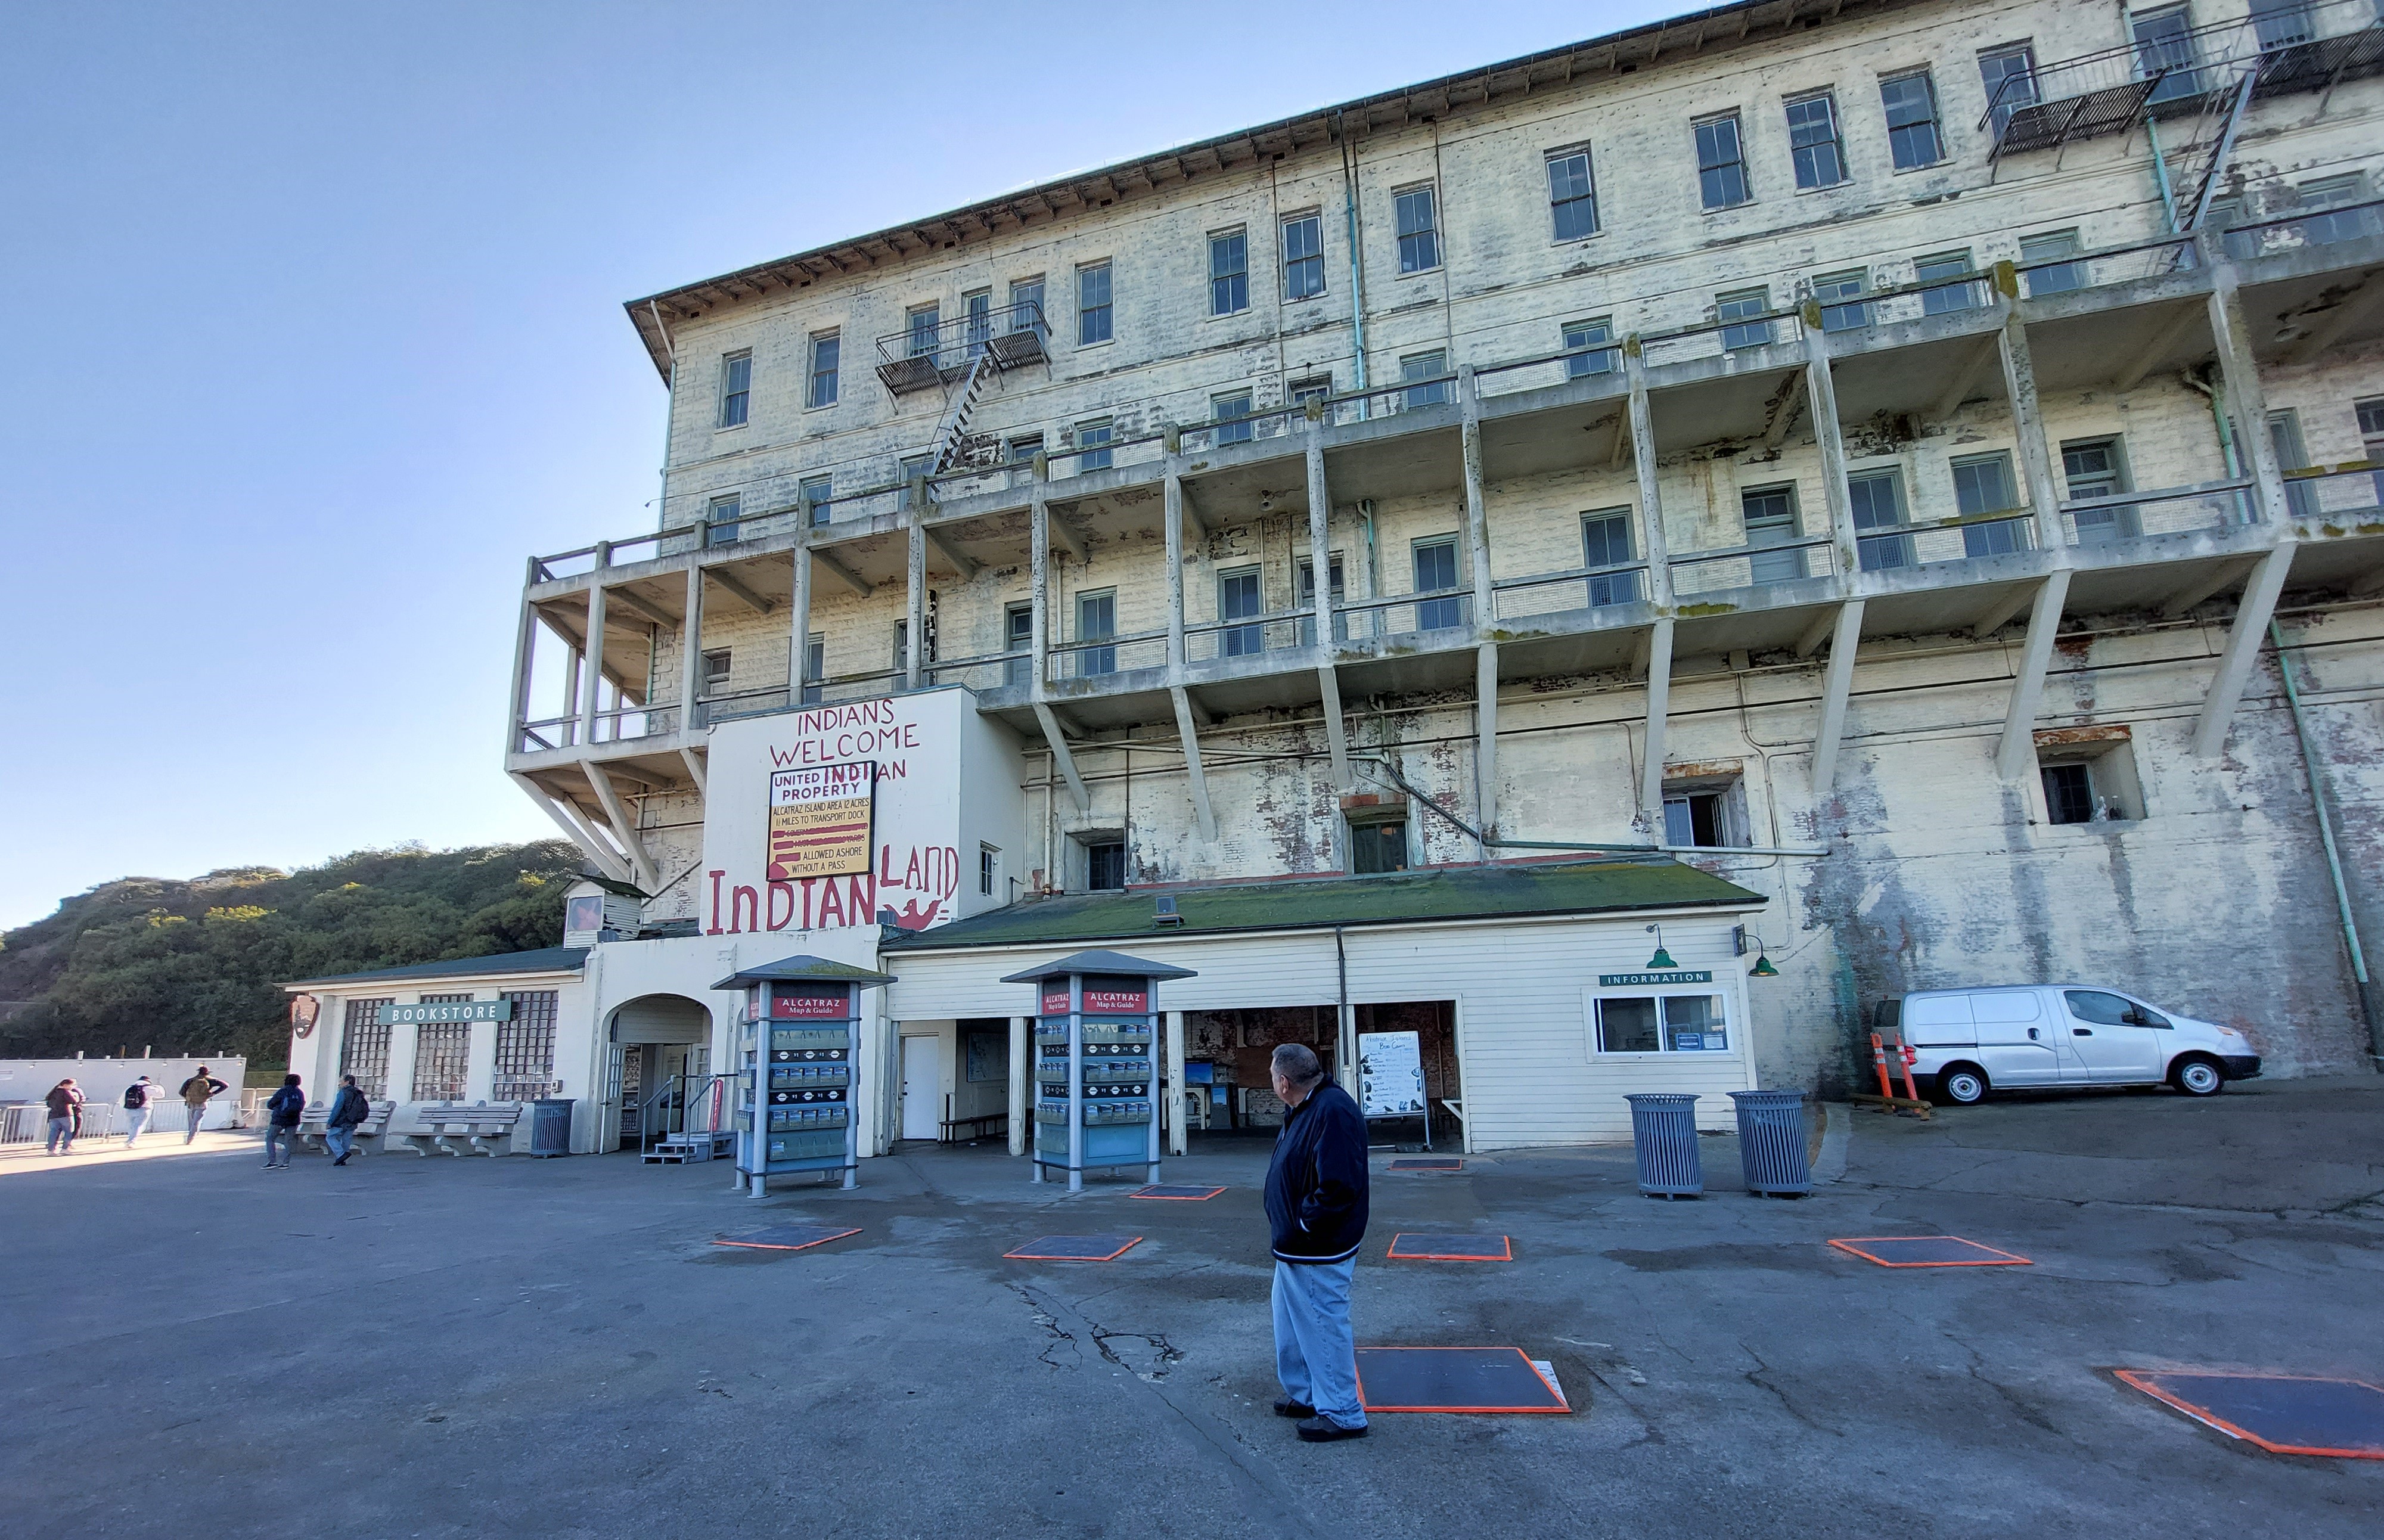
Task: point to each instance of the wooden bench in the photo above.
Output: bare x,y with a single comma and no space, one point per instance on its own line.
482,1123
983,1127
313,1132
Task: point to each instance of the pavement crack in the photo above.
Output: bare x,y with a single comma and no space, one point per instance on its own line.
1755,1377
1050,1324
2021,1409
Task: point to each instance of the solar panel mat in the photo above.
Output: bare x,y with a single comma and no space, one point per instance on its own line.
786,1237
1929,1251
1074,1248
1427,1165
2286,1414
1453,1379
1178,1192
1419,1247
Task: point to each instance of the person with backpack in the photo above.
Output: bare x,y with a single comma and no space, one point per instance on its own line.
196,1092
284,1107
65,1102
136,1110
348,1109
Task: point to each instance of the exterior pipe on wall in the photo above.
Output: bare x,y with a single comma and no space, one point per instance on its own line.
2326,839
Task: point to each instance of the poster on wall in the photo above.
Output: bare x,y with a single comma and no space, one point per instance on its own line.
1390,1074
820,820
987,1055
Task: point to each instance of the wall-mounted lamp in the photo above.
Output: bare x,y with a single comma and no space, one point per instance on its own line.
1763,968
1662,958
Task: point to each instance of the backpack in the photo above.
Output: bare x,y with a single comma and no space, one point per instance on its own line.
136,1095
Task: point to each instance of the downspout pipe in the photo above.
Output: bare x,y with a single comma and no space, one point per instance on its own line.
2326,839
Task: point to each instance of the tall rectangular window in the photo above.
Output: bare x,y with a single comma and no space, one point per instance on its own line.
716,665
1947,296
1572,196
1237,599
2040,264
978,309
1026,305
1105,866
2092,468
1424,365
721,516
364,1047
1229,272
1097,621
1877,500
2371,433
2009,75
1734,308
736,388
1230,412
1721,163
1813,140
1303,256
910,468
1585,348
2284,438
525,1061
1843,306
814,667
2281,23
1018,636
2165,53
827,349
812,495
1435,572
1982,484
1418,217
926,325
1092,304
1333,598
1770,515
1911,104
1605,541
1092,444
441,1054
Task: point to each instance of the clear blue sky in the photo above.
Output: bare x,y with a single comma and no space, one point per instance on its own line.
315,334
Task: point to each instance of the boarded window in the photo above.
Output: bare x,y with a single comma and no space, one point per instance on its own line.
364,1047
526,1046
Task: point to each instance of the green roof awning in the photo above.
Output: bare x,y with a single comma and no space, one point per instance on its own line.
804,966
1495,892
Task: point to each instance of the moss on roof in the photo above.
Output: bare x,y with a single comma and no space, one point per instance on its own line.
1495,891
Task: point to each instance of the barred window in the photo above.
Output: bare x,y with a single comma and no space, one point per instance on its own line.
364,1047
526,1046
443,1052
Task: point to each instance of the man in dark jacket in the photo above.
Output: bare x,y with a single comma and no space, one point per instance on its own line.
1316,1206
284,1107
348,1109
65,1102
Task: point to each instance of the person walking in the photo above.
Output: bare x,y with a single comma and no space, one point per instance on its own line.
137,1097
1316,1208
65,1102
348,1109
196,1092
283,1108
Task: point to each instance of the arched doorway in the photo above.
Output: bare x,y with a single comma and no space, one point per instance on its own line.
661,1053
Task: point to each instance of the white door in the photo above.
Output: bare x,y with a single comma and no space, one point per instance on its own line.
2016,1043
2109,1044
919,1088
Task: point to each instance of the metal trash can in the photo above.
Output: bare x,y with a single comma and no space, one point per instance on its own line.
1664,1137
550,1125
1771,1143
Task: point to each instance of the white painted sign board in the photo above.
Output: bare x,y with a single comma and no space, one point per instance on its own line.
1390,1075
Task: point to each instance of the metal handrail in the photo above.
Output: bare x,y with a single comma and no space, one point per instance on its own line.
963,333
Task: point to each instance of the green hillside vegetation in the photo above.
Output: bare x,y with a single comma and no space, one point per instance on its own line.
194,965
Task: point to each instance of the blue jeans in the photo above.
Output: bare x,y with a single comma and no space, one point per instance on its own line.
1315,1357
340,1139
62,1132
286,1134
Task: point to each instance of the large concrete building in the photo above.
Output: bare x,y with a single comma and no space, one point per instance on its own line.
1891,487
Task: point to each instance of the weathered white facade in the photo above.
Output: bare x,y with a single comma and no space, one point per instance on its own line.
1894,458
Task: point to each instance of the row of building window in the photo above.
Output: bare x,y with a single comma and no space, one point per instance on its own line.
523,1064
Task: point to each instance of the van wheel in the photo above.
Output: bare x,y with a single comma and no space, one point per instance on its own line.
2197,1076
1962,1085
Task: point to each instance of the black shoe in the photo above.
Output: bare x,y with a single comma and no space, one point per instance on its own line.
340,1161
1286,1407
1318,1430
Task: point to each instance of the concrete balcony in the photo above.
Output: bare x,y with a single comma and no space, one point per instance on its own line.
1997,342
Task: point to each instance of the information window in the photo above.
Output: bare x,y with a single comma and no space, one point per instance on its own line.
1689,1021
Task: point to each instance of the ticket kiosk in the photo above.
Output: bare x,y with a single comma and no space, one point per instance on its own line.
797,1065
1096,1081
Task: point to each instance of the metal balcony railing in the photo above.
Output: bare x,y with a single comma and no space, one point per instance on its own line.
2287,47
933,352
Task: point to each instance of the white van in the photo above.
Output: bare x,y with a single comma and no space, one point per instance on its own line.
2015,1037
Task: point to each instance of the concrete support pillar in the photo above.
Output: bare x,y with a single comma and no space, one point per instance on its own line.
1485,741
798,628
1328,682
1176,1135
479,1062
1173,511
1654,546
1021,1082
1477,523
2247,398
593,680
1838,683
1188,729
914,579
2016,754
2028,421
2243,653
400,1061
1821,396
1038,537
1659,699
525,656
691,663
573,667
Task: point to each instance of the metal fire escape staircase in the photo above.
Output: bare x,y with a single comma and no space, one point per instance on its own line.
959,356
